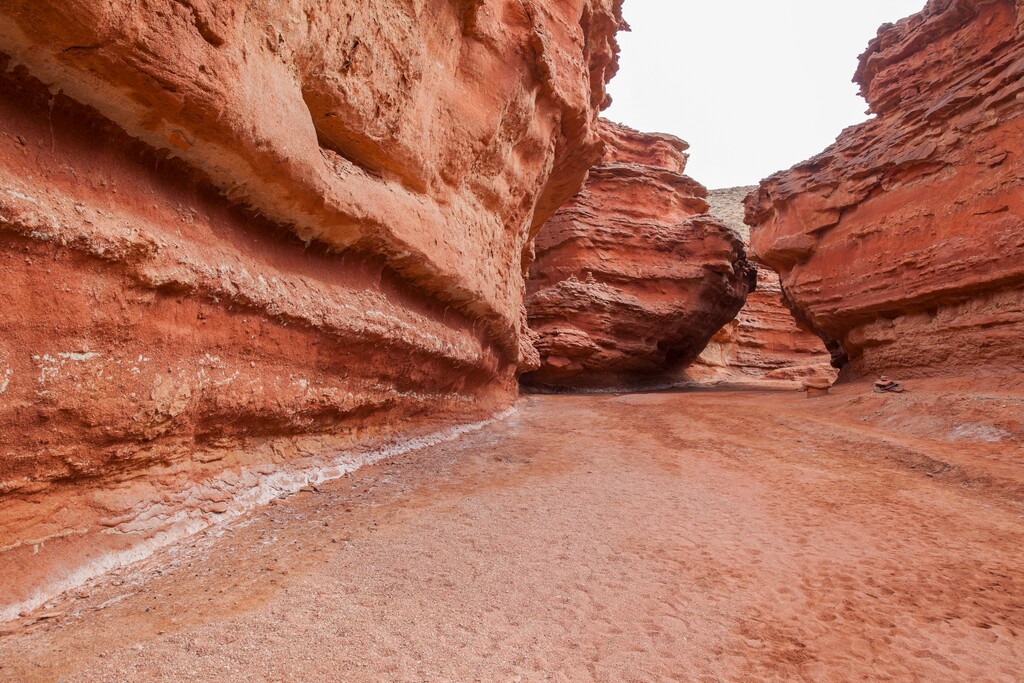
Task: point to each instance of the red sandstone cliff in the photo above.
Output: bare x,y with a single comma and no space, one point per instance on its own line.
903,244
763,346
632,277
238,238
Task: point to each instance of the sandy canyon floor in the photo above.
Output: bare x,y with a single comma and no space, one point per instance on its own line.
658,537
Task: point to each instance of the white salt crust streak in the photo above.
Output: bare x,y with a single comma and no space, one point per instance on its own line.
283,482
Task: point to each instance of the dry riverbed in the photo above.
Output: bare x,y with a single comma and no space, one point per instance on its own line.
653,537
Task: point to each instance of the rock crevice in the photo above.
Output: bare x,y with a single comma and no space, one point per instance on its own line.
765,346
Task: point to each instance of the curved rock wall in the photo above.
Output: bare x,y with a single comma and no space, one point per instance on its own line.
902,245
763,346
632,277
238,240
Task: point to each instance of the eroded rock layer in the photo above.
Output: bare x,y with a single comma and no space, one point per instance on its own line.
763,346
632,277
238,240
902,245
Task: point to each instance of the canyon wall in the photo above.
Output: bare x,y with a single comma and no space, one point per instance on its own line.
902,245
763,347
242,243
632,277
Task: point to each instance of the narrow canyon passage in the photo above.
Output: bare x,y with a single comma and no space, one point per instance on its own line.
673,536
276,276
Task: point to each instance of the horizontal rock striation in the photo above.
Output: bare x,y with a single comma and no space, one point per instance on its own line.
243,244
632,277
763,346
902,245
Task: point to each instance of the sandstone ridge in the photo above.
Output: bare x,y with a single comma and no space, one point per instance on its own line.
632,277
902,245
239,241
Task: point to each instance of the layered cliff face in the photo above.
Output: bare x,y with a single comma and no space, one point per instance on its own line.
902,245
763,346
632,277
238,241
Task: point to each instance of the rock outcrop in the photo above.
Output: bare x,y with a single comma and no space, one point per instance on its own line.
902,245
238,240
763,347
632,277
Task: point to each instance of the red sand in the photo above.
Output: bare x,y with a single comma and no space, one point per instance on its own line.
659,537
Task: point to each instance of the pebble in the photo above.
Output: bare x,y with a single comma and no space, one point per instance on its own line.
49,615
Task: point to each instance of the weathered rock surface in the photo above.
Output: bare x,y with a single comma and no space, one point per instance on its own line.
902,245
632,277
238,238
763,346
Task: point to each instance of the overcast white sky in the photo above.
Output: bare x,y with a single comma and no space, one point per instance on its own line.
755,86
